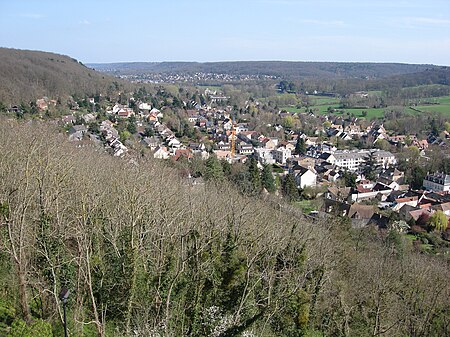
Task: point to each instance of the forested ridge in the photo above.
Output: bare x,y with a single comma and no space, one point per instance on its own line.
286,69
26,75
144,253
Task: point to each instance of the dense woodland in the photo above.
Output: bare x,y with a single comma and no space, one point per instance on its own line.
26,75
144,253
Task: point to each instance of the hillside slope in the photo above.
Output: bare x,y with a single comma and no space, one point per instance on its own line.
143,253
26,75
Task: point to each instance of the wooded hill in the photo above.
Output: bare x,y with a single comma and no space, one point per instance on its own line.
283,69
146,254
26,75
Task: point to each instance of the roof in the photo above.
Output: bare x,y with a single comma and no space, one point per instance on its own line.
300,170
185,153
439,178
339,190
361,211
443,207
77,128
415,214
361,189
406,199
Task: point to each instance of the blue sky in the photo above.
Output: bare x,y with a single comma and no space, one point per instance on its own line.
410,31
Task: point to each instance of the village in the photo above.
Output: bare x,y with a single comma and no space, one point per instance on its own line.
362,184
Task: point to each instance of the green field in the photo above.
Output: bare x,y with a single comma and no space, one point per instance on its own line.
322,104
443,109
314,100
441,105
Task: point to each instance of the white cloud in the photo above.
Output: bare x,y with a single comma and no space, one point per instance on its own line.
84,22
324,22
35,16
427,21
419,22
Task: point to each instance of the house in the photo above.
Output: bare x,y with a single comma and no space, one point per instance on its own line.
223,155
77,132
156,112
444,208
118,148
288,145
410,201
125,112
360,215
353,160
268,143
338,193
197,147
151,142
174,143
161,153
393,174
437,182
331,175
144,108
304,176
223,146
242,127
116,108
182,153
421,144
281,155
244,149
264,156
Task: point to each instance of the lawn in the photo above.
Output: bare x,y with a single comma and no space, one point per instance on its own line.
317,100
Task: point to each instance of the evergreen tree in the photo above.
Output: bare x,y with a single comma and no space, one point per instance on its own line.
349,179
370,167
213,169
290,190
300,146
255,177
226,168
268,182
131,126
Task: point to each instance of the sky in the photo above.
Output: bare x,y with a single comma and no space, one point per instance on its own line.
101,31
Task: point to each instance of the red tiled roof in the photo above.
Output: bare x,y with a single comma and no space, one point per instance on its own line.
407,199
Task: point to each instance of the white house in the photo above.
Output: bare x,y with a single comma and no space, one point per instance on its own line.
161,153
304,177
437,182
264,156
281,155
145,107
